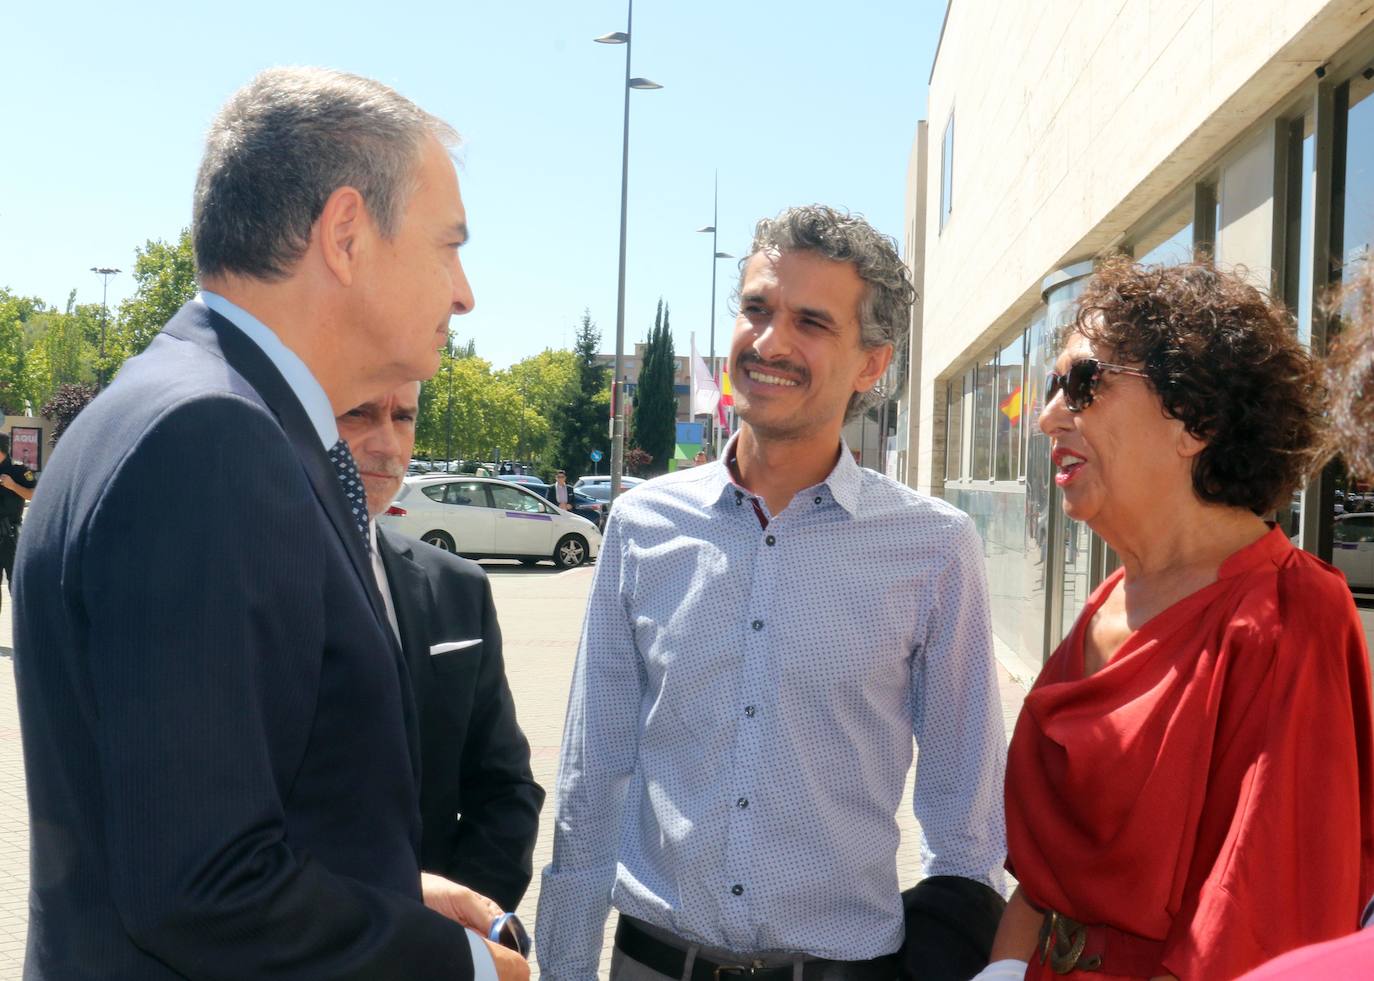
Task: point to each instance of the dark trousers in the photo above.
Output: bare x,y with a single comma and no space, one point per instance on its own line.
9,543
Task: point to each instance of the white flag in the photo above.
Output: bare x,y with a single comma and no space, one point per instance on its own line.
705,392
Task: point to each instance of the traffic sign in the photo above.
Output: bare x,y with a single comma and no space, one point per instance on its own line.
596,456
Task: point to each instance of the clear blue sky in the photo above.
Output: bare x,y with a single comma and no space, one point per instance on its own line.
103,108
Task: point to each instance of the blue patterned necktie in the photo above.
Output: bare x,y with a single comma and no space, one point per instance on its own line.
354,493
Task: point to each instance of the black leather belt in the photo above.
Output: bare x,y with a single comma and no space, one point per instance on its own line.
668,959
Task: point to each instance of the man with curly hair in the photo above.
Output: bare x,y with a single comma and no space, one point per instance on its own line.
766,634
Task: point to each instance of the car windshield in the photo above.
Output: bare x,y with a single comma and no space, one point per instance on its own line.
600,492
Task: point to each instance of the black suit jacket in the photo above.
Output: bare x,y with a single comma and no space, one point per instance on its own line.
218,725
479,803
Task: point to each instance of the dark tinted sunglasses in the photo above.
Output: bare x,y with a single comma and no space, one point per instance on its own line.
1079,383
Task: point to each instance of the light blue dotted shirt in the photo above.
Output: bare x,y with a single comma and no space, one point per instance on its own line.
742,718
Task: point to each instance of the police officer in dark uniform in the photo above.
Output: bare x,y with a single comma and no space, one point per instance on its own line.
16,486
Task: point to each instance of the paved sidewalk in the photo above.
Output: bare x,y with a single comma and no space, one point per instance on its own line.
14,814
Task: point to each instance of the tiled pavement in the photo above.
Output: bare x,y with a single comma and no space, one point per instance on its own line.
541,616
14,815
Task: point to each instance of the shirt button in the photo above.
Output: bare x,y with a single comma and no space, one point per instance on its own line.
818,500
771,540
737,890
757,625
749,711
742,803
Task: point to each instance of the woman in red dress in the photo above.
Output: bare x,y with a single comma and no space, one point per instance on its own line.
1190,786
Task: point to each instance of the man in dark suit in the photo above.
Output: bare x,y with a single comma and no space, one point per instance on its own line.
219,733
479,804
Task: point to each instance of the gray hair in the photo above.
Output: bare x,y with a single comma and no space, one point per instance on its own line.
282,145
885,310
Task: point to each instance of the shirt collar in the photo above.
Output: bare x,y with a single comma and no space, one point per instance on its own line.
844,482
295,371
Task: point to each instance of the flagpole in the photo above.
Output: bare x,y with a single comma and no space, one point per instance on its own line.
711,354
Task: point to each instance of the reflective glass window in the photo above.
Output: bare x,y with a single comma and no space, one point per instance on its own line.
984,404
954,429
1010,402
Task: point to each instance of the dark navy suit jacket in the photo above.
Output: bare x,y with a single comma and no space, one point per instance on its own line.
219,734
479,803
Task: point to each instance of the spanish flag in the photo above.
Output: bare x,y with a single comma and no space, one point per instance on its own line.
1011,405
727,396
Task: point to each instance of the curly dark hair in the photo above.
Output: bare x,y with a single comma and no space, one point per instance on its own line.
1350,376
1225,361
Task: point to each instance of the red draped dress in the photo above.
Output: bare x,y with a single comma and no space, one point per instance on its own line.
1210,791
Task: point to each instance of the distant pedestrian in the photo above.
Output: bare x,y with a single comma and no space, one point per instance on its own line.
699,459
764,637
561,493
16,487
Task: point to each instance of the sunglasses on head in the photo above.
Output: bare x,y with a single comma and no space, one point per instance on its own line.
1079,383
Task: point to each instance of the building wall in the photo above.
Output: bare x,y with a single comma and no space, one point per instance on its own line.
1073,123
1081,129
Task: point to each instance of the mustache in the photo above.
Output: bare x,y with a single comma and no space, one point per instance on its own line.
387,466
745,359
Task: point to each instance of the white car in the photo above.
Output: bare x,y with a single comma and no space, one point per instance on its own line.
626,481
1352,548
489,518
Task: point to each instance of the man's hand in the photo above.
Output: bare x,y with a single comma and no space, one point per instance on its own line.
7,482
459,903
510,966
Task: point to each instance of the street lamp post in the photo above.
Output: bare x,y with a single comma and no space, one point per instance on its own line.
106,273
715,257
617,388
448,411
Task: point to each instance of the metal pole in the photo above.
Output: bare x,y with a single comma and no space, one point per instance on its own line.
715,374
105,274
448,412
618,416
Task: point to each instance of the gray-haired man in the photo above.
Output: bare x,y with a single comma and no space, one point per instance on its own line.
218,728
765,635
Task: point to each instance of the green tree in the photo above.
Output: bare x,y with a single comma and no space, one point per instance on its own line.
15,313
60,349
469,406
164,279
582,422
541,382
655,401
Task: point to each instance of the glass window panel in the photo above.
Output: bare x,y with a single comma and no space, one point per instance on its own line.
954,430
1357,206
984,404
947,173
513,499
1171,241
1010,401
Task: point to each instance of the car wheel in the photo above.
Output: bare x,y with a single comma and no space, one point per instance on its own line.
441,540
570,552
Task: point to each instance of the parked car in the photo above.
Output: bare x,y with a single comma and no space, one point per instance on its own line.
489,518
528,479
1352,548
595,480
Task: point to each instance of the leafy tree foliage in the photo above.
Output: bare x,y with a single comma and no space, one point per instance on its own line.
655,402
637,462
164,279
581,423
65,405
